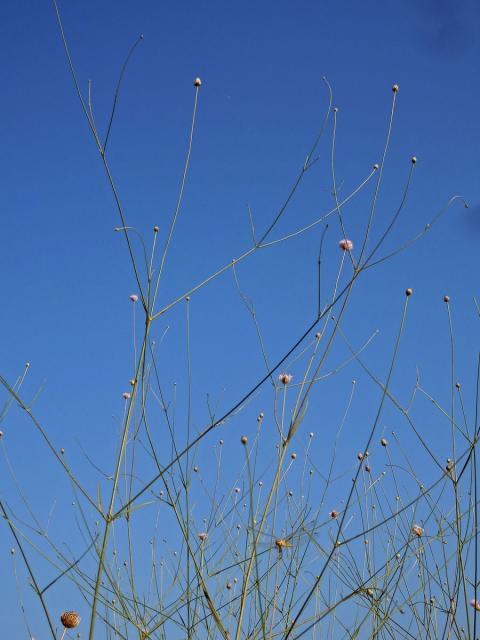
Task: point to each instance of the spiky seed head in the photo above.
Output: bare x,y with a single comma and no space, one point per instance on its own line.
285,378
197,82
244,439
408,292
70,619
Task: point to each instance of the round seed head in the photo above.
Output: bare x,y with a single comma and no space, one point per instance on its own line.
244,439
197,82
383,442
368,468
446,299
414,159
334,514
360,456
395,88
376,166
408,292
70,619
156,229
417,530
294,456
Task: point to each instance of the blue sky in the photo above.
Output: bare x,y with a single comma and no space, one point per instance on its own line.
66,273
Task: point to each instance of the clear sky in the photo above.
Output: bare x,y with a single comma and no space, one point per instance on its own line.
66,276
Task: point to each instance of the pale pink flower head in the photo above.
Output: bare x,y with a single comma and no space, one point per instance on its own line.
345,244
203,535
125,395
475,604
134,297
285,378
417,530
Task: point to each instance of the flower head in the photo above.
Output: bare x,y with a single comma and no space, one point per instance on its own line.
345,244
134,297
70,619
417,530
285,378
475,604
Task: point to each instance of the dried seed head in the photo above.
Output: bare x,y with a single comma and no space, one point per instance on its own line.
395,88
368,468
335,109
126,395
285,378
383,442
133,297
370,592
294,456
229,585
408,292
457,384
27,365
360,456
334,514
414,159
62,451
417,530
12,551
376,166
156,229
1,434
197,82
70,619
310,435
237,489
220,442
290,493
318,335
244,439
195,469
446,299
203,535
132,382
